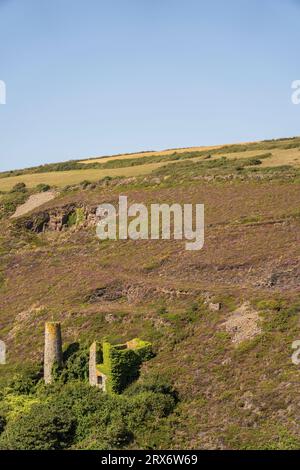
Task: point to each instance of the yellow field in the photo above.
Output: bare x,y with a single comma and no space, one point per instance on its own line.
278,158
63,178
148,154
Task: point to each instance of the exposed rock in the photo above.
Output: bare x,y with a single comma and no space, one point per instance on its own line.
111,292
215,307
38,223
110,318
58,219
242,324
133,293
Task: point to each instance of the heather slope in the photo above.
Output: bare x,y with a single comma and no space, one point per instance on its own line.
190,305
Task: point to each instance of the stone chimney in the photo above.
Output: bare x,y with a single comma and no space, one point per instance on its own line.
93,364
2,352
53,349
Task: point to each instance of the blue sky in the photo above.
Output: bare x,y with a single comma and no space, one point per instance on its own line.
88,78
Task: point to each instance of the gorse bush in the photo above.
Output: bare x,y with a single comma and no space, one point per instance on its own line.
45,427
10,201
19,188
75,415
42,188
70,414
25,383
76,365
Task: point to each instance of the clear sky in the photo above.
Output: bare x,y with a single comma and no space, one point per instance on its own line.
96,77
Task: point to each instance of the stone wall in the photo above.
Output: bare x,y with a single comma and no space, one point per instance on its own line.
93,365
96,378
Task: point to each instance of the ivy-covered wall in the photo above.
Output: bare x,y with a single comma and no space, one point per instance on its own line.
121,363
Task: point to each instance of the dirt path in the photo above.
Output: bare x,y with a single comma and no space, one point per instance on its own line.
33,202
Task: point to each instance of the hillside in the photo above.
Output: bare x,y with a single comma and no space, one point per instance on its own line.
221,320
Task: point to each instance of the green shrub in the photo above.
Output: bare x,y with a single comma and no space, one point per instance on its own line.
75,415
25,383
271,304
19,188
42,188
76,364
76,217
152,383
84,184
254,161
44,428
10,201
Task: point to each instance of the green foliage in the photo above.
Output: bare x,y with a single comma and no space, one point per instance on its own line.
42,188
75,415
254,161
121,365
71,414
76,217
76,364
271,304
25,383
277,315
45,427
85,184
153,383
13,406
10,201
19,188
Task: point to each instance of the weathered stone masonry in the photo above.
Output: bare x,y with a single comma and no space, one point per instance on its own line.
53,349
2,352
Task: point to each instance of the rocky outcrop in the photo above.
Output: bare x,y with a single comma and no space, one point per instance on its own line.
133,293
60,219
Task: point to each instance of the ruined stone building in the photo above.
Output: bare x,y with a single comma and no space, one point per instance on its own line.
111,367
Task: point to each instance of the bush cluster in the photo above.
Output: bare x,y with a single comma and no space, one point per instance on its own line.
70,414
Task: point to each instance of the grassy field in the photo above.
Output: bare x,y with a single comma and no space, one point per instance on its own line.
148,154
278,157
273,153
64,178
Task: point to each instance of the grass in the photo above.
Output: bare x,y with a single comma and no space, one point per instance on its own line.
278,153
64,178
147,154
277,157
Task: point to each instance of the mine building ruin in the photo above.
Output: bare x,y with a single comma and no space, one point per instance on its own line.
111,367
